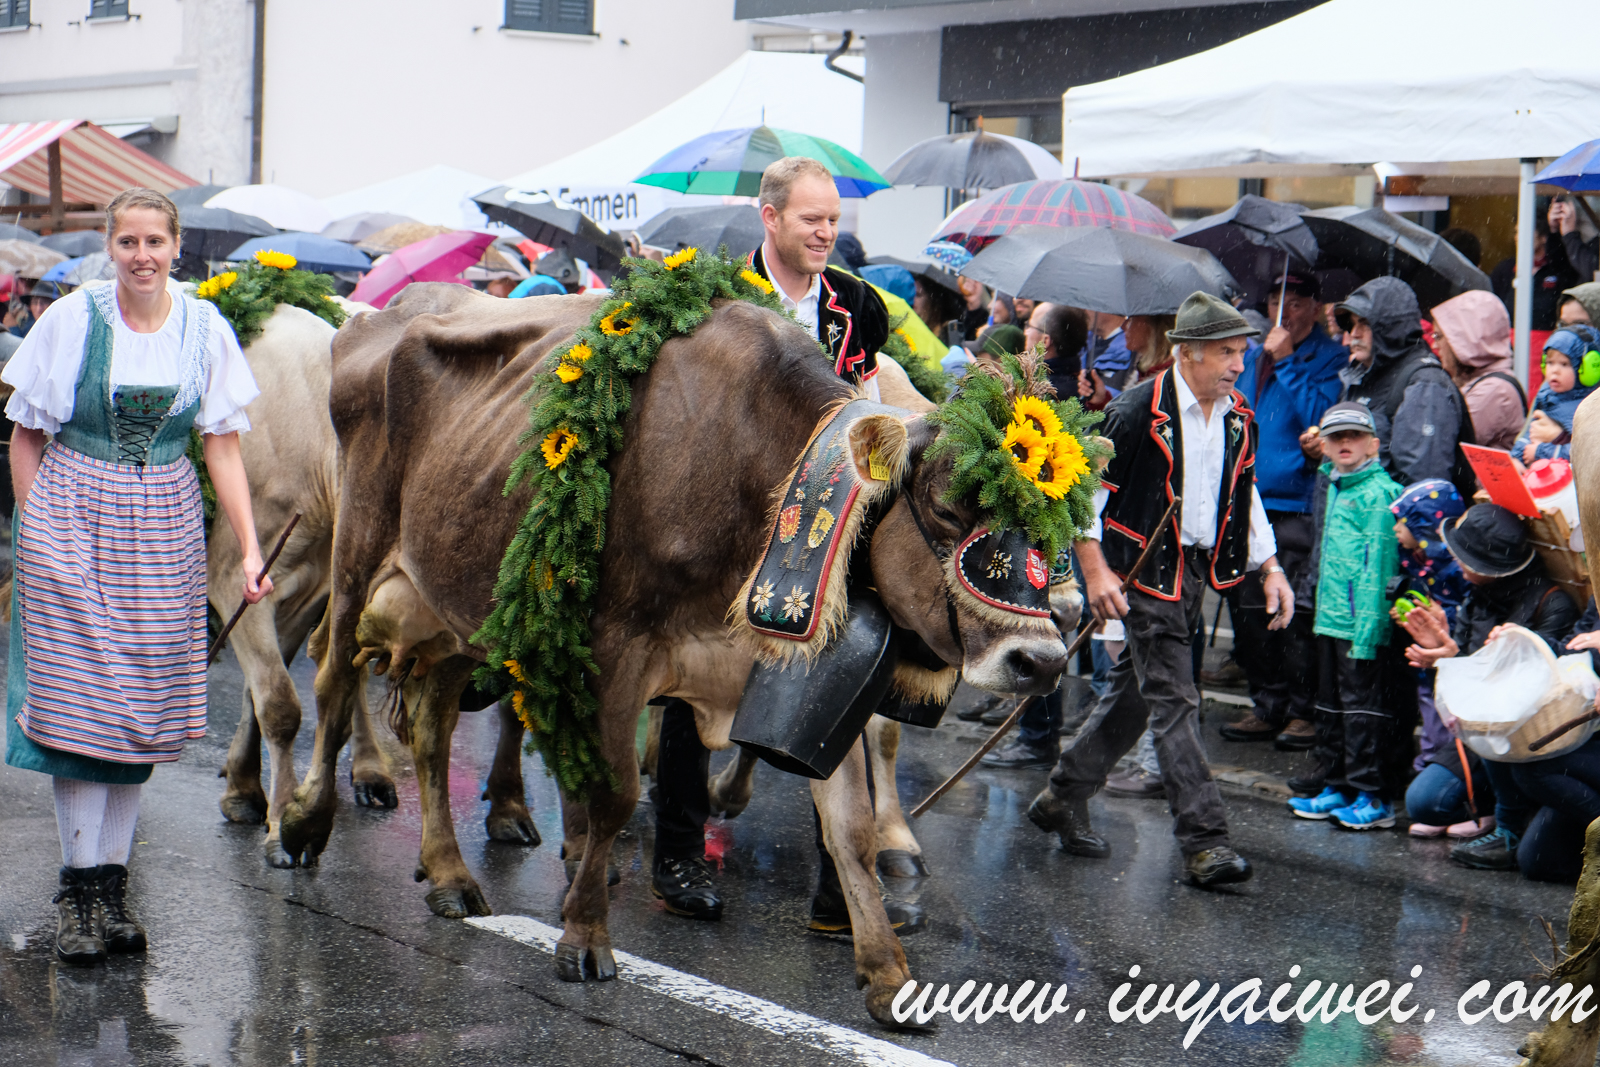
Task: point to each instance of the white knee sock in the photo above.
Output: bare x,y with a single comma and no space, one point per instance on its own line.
80,811
116,832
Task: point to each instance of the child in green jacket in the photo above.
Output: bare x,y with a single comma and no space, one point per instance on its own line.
1358,557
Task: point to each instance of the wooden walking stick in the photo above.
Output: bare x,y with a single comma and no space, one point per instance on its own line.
1072,650
283,539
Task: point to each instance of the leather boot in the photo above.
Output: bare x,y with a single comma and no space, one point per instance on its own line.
78,918
831,915
1070,819
684,885
117,929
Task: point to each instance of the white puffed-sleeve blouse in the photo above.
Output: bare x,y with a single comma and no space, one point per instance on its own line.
44,371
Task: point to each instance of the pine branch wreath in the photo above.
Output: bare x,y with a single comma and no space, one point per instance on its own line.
247,297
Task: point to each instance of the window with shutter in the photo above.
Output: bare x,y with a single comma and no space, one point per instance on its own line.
551,16
108,9
13,13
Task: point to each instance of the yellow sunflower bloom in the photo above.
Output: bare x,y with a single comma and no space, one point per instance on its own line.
578,354
1039,412
756,280
516,671
1063,468
906,337
206,289
557,446
678,259
282,260
226,279
1027,446
608,325
568,373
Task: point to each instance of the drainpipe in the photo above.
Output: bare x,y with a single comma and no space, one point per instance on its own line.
844,46
258,78
1524,277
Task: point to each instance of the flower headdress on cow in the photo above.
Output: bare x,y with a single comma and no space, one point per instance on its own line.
247,297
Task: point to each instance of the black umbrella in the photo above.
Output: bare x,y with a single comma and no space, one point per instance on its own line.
973,160
1100,270
213,232
1372,243
75,243
931,272
736,225
1255,239
8,232
549,221
196,195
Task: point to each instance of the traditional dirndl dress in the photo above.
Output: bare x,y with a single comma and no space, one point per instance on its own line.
107,672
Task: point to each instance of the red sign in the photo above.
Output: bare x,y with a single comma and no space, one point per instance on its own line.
1038,573
1501,479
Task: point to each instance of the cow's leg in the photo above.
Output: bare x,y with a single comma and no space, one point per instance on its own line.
244,801
509,818
730,790
899,855
371,778
850,833
434,704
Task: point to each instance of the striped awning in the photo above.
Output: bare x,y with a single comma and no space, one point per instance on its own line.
95,164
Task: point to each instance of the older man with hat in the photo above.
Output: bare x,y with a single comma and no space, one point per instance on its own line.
1184,432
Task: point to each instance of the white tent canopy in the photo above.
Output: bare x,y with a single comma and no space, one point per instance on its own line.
437,195
787,90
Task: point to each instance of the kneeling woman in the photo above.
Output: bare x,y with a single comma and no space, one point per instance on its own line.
107,672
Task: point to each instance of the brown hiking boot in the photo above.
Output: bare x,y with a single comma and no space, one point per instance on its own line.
1249,728
1298,736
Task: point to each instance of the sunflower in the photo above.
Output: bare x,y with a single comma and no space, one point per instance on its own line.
608,325
213,286
1064,468
557,446
1027,446
756,280
282,260
516,671
906,337
1034,410
678,259
568,370
568,373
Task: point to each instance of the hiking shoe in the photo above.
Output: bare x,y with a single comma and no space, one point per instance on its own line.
1070,820
1320,806
1249,728
78,940
117,928
1228,674
1367,813
1019,755
1298,736
981,707
1494,851
1137,784
684,885
1216,866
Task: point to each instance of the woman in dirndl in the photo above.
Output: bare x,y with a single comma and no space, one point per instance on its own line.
107,667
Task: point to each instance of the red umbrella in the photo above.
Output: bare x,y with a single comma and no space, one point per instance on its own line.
1067,202
436,259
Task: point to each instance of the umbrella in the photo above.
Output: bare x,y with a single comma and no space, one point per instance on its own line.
730,162
948,253
211,232
1578,170
1372,242
27,259
75,242
436,259
9,232
930,272
312,251
196,195
1255,239
974,160
736,225
1100,270
397,236
1067,202
553,222
94,267
356,228
285,208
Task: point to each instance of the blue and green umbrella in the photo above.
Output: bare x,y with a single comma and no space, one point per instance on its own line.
730,163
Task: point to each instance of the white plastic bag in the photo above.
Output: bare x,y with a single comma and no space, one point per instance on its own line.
1514,691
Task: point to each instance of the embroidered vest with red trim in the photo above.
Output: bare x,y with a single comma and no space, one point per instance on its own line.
852,323
1147,471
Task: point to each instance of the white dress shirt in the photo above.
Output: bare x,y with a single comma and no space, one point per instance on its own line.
1203,454
804,311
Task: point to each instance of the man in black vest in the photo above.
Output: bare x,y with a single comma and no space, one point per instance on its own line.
1183,432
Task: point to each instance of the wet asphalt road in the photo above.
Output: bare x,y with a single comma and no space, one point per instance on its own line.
345,965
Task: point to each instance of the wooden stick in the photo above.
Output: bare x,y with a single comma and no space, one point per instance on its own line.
1072,650
1588,716
283,539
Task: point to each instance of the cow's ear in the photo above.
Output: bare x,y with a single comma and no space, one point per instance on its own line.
880,450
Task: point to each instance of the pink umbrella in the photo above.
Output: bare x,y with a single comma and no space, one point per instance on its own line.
436,259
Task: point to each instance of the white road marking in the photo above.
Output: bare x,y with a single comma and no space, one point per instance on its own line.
762,1014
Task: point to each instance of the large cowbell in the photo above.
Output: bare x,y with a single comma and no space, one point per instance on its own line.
804,720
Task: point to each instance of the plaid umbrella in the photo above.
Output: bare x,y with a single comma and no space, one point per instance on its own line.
1067,202
730,162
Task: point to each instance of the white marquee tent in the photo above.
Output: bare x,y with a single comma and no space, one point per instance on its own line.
1430,86
438,195
783,89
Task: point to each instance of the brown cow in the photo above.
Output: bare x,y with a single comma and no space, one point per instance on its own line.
428,404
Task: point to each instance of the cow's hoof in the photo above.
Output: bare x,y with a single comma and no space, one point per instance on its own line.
513,827
249,809
277,857
305,832
613,872
898,863
377,793
574,964
880,1005
458,903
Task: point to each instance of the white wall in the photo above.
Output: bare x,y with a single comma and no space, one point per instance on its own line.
902,108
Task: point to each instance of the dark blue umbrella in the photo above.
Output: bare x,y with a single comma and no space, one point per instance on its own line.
313,251
1578,170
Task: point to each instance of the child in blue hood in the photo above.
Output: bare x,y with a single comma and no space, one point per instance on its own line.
1549,435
